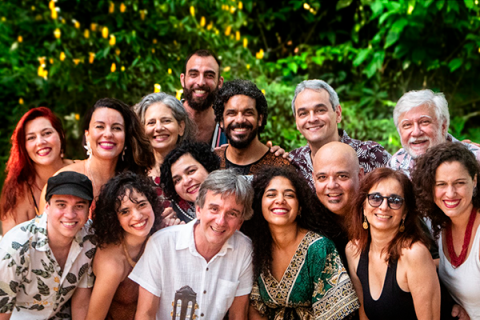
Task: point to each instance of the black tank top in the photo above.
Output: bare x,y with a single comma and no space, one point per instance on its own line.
394,303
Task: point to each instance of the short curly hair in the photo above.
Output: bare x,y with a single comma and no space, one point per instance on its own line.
199,151
241,87
423,178
105,224
313,217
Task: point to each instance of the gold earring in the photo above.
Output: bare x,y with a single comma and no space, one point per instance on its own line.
402,226
365,222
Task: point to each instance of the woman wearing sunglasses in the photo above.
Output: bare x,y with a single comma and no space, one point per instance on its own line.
390,265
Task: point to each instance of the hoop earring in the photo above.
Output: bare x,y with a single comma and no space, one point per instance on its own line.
365,222
402,226
89,149
123,154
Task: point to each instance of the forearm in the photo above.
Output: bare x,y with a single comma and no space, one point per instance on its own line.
5,316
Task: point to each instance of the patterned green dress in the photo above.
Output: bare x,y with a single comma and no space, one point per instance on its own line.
314,286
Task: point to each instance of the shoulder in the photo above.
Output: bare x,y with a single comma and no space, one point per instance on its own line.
271,159
109,260
352,248
20,239
78,166
242,239
300,152
416,255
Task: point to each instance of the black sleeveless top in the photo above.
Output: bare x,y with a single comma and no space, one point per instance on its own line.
394,303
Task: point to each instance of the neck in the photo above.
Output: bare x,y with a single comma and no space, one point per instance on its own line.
205,250
380,240
205,121
284,236
134,244
459,222
252,153
199,114
315,146
103,169
160,156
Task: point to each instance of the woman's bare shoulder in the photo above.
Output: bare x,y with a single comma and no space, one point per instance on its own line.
77,166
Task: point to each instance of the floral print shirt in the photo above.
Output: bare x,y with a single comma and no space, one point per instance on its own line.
32,284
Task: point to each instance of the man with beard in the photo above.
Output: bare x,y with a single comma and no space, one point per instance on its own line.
201,81
422,121
241,110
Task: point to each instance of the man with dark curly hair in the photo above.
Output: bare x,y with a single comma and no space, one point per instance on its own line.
242,110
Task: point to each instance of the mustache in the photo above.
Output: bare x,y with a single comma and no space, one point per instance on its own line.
244,125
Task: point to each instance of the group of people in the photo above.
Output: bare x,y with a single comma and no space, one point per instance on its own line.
162,220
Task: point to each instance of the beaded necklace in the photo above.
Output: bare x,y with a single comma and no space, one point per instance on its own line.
455,260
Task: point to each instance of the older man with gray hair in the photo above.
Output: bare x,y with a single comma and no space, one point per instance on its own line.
422,120
317,113
206,263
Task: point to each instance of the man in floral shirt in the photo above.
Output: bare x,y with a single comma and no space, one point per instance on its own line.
317,113
46,262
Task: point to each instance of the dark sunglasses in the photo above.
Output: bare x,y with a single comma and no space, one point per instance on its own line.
394,201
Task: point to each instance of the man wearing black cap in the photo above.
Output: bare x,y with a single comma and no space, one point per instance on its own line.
46,261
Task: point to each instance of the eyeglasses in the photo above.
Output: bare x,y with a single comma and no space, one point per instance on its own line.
394,201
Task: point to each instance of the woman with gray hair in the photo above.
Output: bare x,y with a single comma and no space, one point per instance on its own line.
166,124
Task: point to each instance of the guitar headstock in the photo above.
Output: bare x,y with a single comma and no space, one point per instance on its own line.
185,304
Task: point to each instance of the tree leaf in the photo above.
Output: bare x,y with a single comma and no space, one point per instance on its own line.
395,31
469,4
343,4
361,56
455,64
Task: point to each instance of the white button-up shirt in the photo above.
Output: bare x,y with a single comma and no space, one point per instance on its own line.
32,284
171,261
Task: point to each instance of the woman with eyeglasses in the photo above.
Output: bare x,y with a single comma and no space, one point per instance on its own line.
390,265
446,183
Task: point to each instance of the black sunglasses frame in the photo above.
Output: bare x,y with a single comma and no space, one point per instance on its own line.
389,200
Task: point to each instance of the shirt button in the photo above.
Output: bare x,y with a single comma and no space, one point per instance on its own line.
207,269
204,291
201,315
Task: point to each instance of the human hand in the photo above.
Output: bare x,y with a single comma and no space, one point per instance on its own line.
459,312
471,142
278,151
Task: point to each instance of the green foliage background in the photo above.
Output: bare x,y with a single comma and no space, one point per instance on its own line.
370,51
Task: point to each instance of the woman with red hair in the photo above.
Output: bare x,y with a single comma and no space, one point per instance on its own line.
38,147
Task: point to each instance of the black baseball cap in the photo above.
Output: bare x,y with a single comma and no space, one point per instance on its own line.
70,183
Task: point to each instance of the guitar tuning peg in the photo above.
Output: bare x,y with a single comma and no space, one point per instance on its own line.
196,306
171,314
194,317
173,303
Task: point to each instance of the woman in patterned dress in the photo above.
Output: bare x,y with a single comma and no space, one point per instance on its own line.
122,221
298,272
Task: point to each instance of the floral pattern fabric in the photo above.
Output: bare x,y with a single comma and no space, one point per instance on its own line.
32,284
315,285
370,155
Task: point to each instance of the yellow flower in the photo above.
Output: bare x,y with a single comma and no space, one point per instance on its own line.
226,69
122,68
51,5
54,14
240,5
76,24
306,6
142,14
154,41
62,56
202,22
237,35
50,60
175,42
20,39
210,25
86,33
105,32
45,74
232,9
57,33
77,117
76,61
228,30
169,71
117,52
111,7
113,67
153,50
113,40
179,94
4,19
227,8
260,54
245,42
20,101
263,91
192,11
157,88
123,7
41,60
33,8
248,66
93,26
91,57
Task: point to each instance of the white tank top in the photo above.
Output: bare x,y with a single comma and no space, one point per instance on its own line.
463,282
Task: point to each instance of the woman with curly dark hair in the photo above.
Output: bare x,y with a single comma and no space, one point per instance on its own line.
297,270
182,173
390,265
123,220
446,183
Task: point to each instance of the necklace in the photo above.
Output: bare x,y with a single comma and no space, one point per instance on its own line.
455,260
127,255
87,171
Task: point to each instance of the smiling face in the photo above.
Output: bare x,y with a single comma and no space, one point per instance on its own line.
315,117
420,129
219,218
241,121
382,217
280,205
201,82
42,142
67,214
453,189
106,133
135,214
187,175
161,127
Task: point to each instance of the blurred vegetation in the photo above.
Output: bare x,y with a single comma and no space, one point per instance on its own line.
67,54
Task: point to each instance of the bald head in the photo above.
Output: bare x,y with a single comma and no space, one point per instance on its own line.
337,174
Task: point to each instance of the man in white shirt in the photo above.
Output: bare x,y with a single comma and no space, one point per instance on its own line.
208,255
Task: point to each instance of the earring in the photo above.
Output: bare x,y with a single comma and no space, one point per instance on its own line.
123,154
62,154
402,226
365,222
89,149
